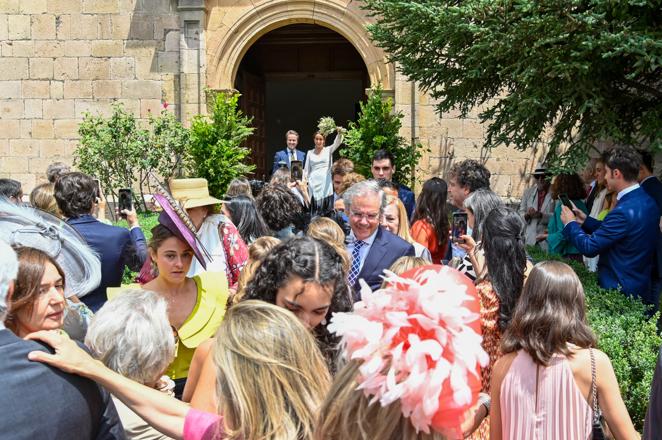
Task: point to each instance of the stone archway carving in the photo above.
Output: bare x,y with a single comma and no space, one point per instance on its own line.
228,43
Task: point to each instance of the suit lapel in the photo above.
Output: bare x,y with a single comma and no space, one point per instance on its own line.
375,255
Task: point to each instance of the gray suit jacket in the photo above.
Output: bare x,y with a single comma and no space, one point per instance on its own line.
42,403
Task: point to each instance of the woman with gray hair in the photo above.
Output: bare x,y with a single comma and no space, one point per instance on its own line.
131,335
478,205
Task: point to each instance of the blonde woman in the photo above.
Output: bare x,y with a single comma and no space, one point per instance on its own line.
271,379
395,221
43,197
327,230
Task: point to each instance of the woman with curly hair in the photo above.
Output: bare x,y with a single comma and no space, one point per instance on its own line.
570,185
279,209
430,223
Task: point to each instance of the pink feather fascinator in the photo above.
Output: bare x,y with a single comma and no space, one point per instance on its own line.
419,343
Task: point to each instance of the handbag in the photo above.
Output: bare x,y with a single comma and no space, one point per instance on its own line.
596,425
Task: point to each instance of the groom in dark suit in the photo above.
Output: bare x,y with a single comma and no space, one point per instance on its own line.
372,248
623,238
286,156
38,401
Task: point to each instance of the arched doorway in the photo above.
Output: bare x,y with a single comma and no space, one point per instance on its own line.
292,76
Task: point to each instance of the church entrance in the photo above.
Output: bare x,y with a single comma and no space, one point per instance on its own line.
291,77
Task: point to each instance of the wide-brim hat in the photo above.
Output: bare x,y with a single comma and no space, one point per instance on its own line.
30,227
192,193
172,217
540,171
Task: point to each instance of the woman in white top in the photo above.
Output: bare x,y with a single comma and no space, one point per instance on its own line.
318,171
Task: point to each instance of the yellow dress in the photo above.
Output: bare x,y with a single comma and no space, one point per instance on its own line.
201,324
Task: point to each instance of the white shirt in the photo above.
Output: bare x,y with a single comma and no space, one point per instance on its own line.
627,190
363,252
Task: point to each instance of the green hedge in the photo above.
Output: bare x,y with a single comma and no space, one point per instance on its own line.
624,333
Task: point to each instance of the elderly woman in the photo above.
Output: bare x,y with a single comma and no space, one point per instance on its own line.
130,334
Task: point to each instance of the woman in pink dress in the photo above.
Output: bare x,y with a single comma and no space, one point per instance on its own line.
544,386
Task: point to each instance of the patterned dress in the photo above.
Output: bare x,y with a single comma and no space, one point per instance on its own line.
489,311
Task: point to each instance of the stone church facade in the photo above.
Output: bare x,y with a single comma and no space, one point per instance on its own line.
62,58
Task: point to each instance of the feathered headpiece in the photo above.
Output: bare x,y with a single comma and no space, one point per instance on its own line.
419,342
31,227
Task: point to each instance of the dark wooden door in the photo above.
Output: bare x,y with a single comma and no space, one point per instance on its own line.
252,103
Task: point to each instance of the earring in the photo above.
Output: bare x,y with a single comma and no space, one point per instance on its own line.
324,321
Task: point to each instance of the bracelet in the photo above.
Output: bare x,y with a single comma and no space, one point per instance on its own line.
485,400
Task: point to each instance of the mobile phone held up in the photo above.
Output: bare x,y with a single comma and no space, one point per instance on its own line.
459,227
296,170
566,201
124,200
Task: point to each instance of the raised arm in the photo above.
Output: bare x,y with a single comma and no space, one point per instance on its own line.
161,411
336,142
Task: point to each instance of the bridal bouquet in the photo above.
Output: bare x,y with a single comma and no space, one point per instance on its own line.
326,125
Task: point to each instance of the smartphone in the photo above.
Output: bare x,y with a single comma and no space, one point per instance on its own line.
459,227
296,170
566,201
125,200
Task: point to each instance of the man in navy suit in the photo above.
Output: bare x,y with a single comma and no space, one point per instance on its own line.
383,167
623,238
290,153
75,194
372,249
38,401
653,187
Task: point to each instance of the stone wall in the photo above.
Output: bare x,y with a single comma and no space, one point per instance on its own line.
63,58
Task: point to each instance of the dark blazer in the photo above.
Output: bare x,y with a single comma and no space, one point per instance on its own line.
406,196
652,424
623,241
42,402
117,247
653,188
386,248
284,156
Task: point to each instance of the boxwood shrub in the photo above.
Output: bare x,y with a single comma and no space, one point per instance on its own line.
625,333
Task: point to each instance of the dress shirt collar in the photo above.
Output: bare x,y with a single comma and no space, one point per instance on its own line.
627,190
368,241
649,177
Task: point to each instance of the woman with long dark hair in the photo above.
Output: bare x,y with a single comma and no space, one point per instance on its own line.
430,222
244,214
499,285
551,373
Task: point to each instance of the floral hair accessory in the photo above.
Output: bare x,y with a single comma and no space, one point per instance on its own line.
419,342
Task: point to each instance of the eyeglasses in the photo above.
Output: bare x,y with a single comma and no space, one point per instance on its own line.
359,215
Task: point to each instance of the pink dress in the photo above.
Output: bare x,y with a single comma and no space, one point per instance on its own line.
200,425
561,412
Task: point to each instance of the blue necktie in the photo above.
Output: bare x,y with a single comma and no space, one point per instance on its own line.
356,262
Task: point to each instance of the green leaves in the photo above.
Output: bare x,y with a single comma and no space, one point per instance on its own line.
378,127
589,71
216,143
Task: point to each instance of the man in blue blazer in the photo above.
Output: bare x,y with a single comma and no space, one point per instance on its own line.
623,238
653,187
371,248
290,153
117,247
41,402
383,167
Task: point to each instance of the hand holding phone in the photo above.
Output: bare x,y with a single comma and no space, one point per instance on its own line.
125,201
296,170
459,227
566,201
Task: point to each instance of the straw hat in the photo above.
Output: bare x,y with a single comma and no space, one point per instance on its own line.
540,170
192,193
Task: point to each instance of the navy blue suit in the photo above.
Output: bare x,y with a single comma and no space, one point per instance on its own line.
42,402
385,249
653,188
117,247
623,241
284,156
406,196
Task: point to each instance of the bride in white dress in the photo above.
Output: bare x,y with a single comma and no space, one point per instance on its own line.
317,169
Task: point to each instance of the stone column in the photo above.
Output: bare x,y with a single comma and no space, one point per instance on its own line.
192,67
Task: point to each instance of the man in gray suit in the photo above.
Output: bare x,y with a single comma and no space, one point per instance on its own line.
38,401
